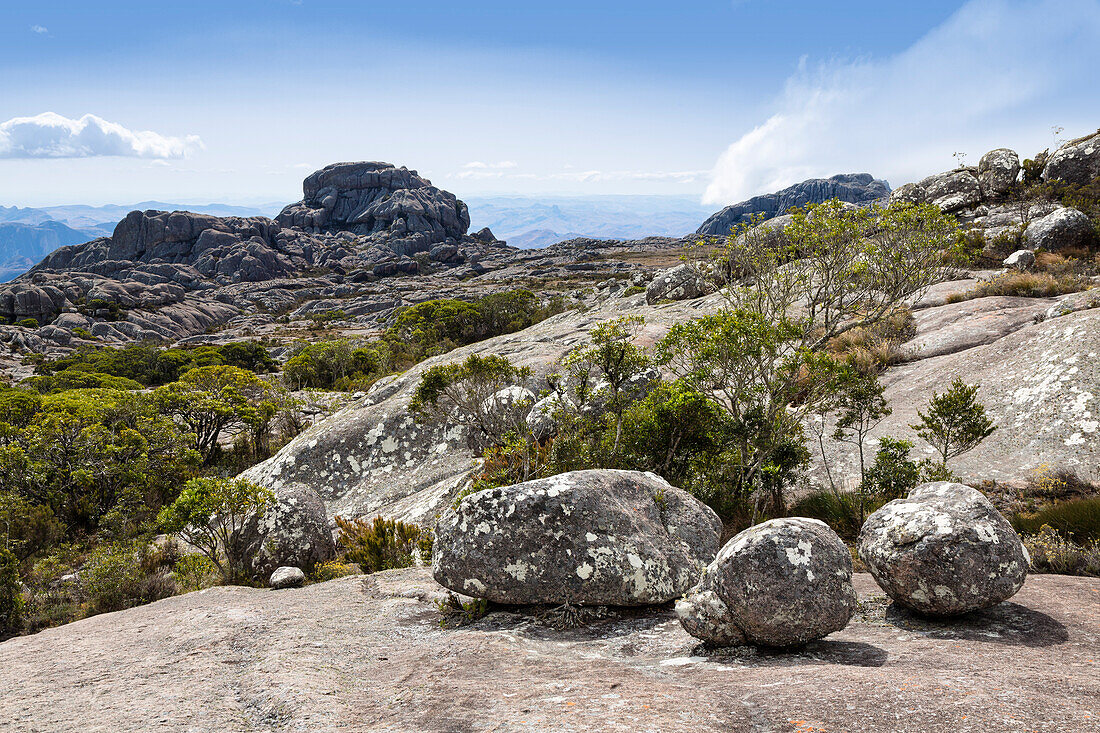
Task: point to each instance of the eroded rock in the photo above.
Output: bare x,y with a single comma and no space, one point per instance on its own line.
1061,229
597,537
944,550
294,532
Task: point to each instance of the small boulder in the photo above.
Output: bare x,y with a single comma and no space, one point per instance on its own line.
1060,229
287,577
542,419
997,171
952,191
1021,259
597,537
781,583
943,550
682,282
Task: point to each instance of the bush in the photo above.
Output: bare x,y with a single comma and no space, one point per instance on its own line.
1025,284
27,322
122,575
331,569
1052,553
892,475
381,544
11,597
1078,519
194,572
841,511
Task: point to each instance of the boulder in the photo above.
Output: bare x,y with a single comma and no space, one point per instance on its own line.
944,550
997,171
287,577
682,282
597,537
294,531
1060,229
952,191
1021,259
781,583
1078,161
542,419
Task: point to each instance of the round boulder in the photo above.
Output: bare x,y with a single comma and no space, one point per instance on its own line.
943,550
997,172
598,537
287,577
781,583
1078,161
682,282
1022,260
294,532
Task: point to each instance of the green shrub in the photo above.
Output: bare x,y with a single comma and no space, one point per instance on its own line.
1052,553
381,544
838,510
124,574
27,322
892,475
1078,519
332,569
194,572
11,598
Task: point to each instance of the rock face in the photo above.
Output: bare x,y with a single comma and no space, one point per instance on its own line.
598,537
1078,161
951,191
997,171
780,583
293,532
682,282
943,551
287,577
856,188
1021,259
1061,229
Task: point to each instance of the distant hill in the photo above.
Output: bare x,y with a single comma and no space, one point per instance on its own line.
530,222
22,245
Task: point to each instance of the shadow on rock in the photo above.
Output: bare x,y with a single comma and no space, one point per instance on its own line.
1006,623
847,653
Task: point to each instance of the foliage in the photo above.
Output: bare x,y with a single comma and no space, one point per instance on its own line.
27,322
454,612
840,510
28,528
467,394
381,544
337,365
1078,519
194,572
214,400
518,458
210,514
1052,553
1025,284
955,421
332,569
121,575
892,475
11,598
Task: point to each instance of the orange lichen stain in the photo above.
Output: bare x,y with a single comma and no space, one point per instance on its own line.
804,726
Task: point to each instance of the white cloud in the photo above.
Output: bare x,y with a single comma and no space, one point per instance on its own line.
478,170
39,29
50,135
997,73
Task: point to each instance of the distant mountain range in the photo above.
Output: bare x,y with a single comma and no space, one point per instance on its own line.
530,223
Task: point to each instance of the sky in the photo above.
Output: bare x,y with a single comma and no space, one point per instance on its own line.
235,102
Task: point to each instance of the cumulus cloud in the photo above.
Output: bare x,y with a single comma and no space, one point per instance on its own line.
50,135
996,73
477,170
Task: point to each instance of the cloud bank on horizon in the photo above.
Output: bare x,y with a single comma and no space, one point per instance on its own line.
978,81
50,135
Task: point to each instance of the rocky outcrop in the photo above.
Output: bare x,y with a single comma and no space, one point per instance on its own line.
1062,229
997,171
597,537
780,583
943,551
287,577
1078,161
856,188
1021,260
370,199
951,191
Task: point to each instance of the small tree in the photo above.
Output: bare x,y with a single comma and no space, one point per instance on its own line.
466,394
210,513
613,359
861,406
893,474
955,422
11,599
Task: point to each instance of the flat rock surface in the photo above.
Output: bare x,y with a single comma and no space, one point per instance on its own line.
366,653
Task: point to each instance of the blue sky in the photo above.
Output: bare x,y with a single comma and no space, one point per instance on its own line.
237,101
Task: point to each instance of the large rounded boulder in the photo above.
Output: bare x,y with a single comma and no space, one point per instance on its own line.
781,583
293,531
943,550
1060,229
598,537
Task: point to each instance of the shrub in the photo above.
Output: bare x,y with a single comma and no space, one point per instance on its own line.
331,569
194,572
27,322
839,510
381,544
124,574
453,612
955,422
1025,284
1078,519
11,597
1052,553
28,528
210,513
892,475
